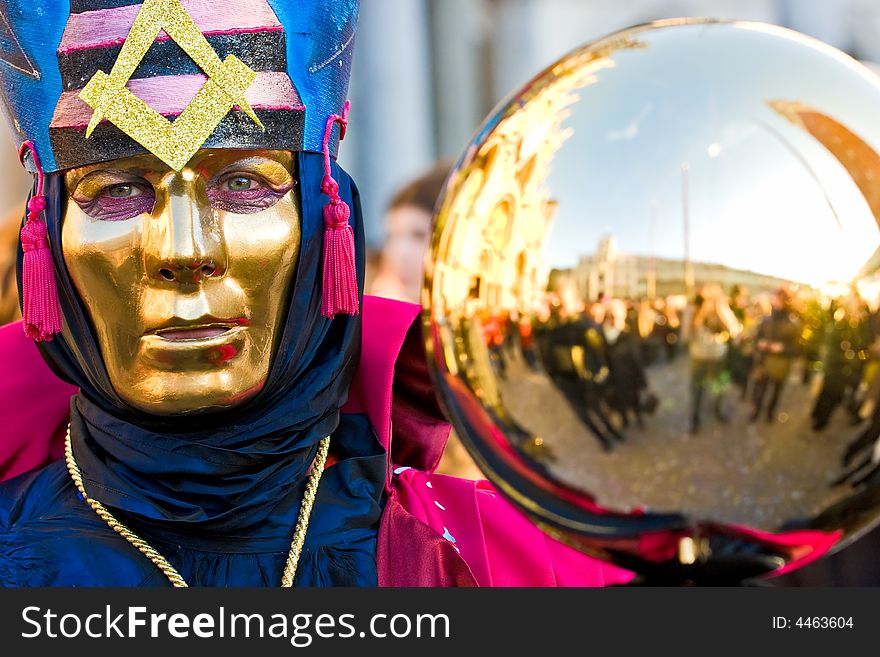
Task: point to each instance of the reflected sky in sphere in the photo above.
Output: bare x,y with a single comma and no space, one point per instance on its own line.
753,177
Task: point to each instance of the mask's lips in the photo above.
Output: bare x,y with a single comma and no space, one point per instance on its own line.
194,332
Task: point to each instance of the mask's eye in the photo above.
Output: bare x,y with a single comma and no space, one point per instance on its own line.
110,196
123,190
241,184
243,192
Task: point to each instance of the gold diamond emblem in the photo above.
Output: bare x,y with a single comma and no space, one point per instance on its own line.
173,142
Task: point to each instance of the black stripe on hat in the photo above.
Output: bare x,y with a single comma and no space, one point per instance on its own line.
261,51
79,6
283,131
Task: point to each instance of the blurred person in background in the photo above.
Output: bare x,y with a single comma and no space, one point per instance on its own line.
666,327
739,355
527,342
650,337
815,318
776,348
494,336
849,337
574,357
398,275
627,379
712,326
408,233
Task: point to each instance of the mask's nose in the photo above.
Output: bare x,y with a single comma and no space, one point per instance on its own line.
183,244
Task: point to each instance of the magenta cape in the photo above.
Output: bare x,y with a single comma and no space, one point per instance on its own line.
436,530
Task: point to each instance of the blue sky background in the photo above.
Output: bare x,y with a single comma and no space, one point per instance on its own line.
753,203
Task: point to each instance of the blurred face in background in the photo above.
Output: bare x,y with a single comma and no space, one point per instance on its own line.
409,230
616,314
781,301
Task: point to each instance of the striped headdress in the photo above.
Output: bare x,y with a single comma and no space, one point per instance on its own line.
88,81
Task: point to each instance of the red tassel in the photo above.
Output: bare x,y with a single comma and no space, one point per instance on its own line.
340,292
340,287
41,310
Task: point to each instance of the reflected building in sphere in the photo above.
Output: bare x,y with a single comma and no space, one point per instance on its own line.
611,272
502,210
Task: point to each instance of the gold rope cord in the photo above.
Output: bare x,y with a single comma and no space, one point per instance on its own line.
299,534
305,513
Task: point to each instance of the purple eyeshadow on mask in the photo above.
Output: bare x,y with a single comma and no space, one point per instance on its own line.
109,208
247,201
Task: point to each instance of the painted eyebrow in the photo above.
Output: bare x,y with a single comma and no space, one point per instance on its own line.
261,165
103,177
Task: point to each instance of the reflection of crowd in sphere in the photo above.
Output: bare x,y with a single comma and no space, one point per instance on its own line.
743,350
597,356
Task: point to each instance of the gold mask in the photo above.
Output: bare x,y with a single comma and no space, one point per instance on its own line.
185,274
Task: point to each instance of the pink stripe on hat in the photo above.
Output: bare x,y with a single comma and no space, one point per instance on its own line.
103,28
169,95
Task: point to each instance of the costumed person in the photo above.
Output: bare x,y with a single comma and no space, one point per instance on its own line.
210,400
